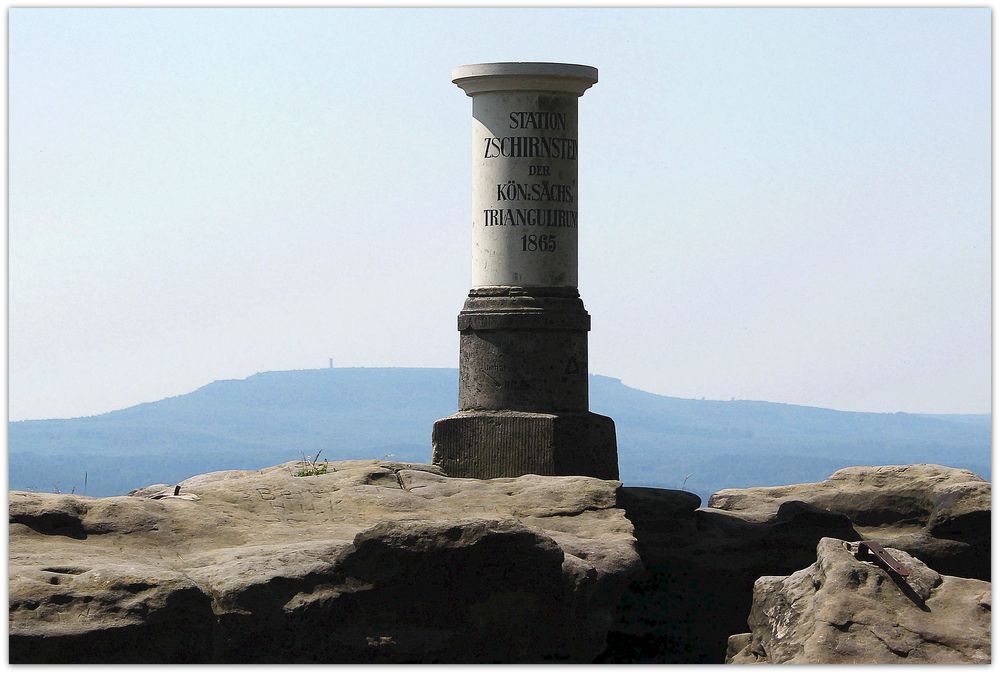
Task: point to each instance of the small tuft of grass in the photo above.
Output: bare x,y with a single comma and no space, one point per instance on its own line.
307,472
312,466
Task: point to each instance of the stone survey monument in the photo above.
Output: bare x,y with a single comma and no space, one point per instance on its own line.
523,394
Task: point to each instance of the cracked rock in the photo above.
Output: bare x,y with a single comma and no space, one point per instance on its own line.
842,610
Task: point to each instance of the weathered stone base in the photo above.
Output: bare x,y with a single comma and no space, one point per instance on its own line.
488,444
523,350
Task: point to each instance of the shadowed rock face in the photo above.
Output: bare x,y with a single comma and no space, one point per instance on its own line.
841,610
939,514
371,562
701,564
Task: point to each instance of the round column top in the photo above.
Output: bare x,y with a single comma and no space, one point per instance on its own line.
568,78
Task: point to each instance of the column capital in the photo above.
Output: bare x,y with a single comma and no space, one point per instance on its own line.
564,78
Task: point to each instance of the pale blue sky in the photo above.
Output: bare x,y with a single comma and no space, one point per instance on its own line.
788,205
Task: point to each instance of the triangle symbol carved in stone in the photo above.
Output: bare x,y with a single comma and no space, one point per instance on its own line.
572,367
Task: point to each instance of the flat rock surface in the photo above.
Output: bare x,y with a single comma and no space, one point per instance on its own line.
373,561
844,610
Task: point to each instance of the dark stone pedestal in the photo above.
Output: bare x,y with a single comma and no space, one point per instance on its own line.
523,349
488,443
523,390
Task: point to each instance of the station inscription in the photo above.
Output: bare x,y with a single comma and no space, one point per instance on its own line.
531,199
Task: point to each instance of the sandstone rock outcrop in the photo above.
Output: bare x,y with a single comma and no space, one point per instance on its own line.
371,562
701,563
380,561
939,514
842,610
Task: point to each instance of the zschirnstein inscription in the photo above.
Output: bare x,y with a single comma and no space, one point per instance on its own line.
530,146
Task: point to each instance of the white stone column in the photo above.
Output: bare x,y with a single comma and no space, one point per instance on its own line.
524,171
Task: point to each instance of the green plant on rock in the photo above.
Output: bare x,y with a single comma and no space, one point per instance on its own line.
312,466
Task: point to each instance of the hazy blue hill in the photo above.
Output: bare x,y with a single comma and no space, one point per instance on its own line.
271,417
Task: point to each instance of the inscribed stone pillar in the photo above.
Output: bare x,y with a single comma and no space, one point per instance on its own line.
523,399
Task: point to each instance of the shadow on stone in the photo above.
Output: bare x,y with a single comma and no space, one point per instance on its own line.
700,569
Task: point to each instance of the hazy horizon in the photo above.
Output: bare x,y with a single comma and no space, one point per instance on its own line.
389,367
790,205
365,413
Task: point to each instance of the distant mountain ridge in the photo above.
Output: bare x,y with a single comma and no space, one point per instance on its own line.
270,417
